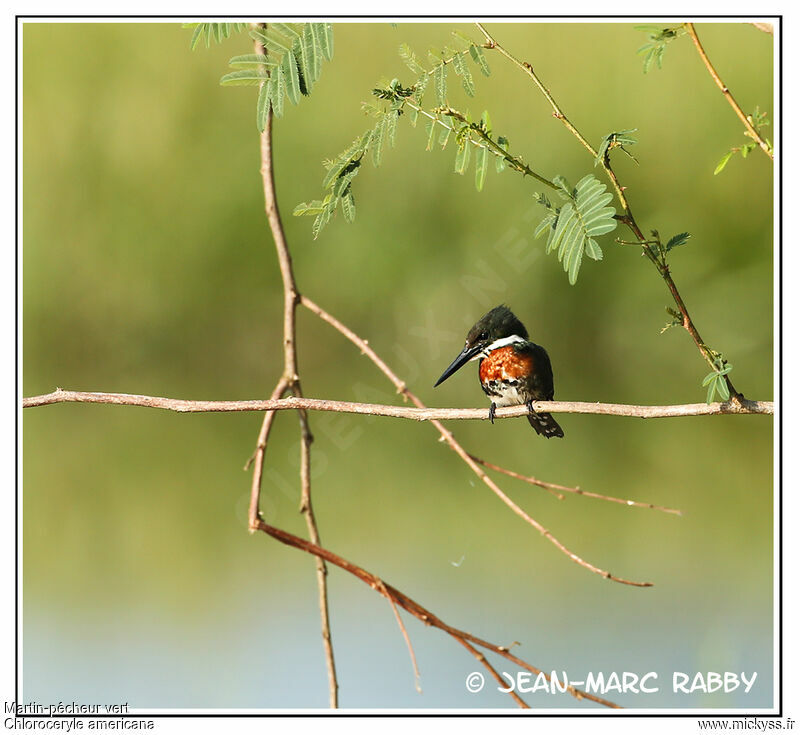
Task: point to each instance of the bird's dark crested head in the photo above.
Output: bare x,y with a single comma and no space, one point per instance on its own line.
496,329
499,323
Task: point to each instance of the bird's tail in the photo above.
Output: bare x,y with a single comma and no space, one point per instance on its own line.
545,425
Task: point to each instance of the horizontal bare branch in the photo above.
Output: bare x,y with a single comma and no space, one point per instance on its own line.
401,412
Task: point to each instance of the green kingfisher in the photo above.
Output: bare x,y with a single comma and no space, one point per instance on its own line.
512,370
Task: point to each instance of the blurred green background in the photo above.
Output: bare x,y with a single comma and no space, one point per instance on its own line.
148,268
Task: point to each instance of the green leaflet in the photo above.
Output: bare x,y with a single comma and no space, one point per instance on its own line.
459,67
312,53
444,135
716,382
249,60
659,37
314,207
322,219
391,126
297,52
291,78
271,86
410,59
440,84
378,137
269,42
325,36
467,81
279,91
593,249
430,127
481,164
723,162
462,157
198,32
262,107
677,240
348,206
244,77
476,52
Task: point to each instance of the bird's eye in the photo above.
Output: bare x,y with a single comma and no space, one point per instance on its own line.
483,335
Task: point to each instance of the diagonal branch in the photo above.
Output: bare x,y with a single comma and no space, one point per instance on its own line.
385,593
414,608
751,131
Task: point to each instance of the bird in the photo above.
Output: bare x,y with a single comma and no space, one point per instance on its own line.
512,370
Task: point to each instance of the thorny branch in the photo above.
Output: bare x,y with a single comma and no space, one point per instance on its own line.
627,218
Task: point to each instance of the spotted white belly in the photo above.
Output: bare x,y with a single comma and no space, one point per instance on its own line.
505,394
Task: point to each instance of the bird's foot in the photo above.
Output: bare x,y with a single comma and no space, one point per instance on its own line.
533,413
491,412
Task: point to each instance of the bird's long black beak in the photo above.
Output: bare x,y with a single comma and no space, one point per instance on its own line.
466,355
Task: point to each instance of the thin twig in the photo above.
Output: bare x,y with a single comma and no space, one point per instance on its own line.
421,413
258,456
385,593
751,131
553,488
414,608
514,162
499,679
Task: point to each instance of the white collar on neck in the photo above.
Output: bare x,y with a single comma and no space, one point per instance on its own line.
504,342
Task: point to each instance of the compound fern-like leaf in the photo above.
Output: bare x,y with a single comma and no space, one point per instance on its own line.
291,64
573,228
